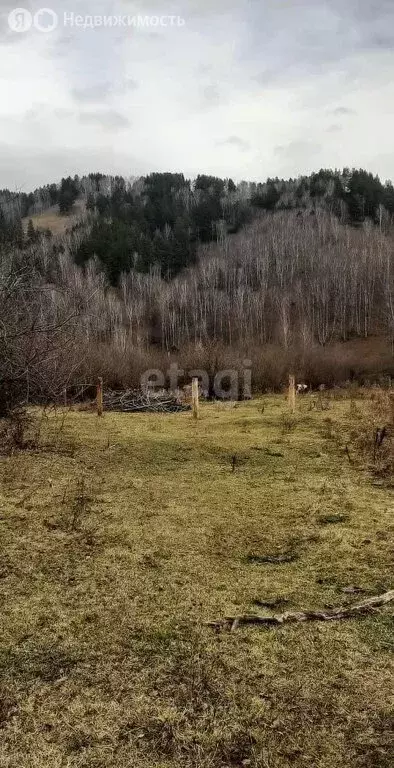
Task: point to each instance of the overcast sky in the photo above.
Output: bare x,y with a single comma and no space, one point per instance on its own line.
242,89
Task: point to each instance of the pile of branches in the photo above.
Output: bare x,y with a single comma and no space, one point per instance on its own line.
132,401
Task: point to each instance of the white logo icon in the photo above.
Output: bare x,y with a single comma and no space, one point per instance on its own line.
20,20
45,20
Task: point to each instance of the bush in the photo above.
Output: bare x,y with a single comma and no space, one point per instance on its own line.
373,436
16,433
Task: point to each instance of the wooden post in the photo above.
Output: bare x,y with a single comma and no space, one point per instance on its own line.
65,396
195,398
99,397
292,394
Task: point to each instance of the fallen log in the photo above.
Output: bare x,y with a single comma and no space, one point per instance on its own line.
345,612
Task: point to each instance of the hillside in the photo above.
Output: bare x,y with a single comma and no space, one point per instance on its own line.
150,273
159,220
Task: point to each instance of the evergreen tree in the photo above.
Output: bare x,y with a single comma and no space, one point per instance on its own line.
32,234
67,195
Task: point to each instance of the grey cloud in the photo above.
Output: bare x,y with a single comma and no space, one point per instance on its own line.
267,77
361,12
101,92
382,41
292,41
235,141
298,157
211,94
343,111
62,113
296,149
39,112
61,47
23,169
9,38
365,26
129,84
92,93
109,119
335,128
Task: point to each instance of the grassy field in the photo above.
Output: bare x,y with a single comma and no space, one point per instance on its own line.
127,533
51,219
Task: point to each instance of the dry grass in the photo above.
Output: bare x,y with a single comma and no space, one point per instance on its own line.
114,553
52,220
372,433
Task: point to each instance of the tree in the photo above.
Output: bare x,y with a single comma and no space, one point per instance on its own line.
67,195
364,192
32,234
40,344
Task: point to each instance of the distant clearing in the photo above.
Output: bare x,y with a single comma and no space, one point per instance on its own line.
52,220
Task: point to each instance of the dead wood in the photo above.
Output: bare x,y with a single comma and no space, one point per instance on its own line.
365,607
134,401
286,557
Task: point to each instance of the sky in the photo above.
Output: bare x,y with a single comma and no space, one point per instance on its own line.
246,89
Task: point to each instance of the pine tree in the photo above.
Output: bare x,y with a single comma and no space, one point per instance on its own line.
31,232
67,195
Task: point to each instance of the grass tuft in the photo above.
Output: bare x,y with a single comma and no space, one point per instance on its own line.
332,519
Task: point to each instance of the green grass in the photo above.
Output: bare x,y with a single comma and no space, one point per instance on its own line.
120,542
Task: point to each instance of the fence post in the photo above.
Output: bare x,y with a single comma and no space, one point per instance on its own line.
292,394
195,398
99,397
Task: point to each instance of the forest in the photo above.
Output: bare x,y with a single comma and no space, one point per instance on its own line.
289,273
